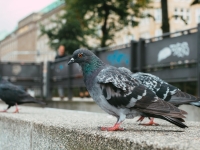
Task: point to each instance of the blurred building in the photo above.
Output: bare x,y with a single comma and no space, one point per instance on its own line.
25,43
148,27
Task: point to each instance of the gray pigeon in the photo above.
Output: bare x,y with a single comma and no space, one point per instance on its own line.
14,95
121,95
163,90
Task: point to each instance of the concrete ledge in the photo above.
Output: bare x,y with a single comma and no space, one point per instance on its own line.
52,129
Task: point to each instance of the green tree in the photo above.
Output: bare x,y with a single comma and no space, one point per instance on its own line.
109,16
68,32
85,18
195,2
165,18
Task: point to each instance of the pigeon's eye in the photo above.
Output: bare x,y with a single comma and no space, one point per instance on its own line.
80,55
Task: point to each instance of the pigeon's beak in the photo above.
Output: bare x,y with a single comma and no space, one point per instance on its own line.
71,61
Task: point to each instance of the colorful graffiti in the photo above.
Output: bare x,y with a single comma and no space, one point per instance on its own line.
117,58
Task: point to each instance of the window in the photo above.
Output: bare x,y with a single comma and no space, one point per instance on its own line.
131,37
145,35
145,20
158,32
187,16
158,15
182,12
198,15
176,13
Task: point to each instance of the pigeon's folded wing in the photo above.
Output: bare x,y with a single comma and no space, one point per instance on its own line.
158,86
120,90
164,90
12,90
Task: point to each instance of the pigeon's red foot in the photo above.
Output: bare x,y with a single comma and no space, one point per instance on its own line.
151,123
3,110
16,110
140,119
114,128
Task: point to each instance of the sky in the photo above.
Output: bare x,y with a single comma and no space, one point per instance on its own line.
12,11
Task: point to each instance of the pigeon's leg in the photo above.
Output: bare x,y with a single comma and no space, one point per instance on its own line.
151,123
17,109
116,127
141,118
5,109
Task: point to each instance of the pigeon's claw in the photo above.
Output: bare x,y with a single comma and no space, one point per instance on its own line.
17,109
3,110
114,128
151,123
141,118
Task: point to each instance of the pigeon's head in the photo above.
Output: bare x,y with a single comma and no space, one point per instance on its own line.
81,56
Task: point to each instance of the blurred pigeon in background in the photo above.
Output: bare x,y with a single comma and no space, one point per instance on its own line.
163,90
15,95
121,95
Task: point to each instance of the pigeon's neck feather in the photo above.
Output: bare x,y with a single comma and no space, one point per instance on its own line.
91,69
91,66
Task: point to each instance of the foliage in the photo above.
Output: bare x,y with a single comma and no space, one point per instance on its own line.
109,16
86,18
67,32
195,2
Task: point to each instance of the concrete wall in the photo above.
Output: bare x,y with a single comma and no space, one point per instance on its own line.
53,129
91,106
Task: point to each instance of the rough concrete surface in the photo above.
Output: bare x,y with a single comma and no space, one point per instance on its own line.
52,129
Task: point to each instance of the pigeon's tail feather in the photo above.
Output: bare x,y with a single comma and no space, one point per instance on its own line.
184,98
175,121
32,100
197,104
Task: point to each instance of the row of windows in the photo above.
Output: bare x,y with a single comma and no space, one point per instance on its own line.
45,58
183,12
147,35
9,58
12,45
178,13
157,16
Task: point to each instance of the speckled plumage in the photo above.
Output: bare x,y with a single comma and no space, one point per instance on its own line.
163,89
121,95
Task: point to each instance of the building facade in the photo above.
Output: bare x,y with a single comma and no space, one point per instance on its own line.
25,43
151,27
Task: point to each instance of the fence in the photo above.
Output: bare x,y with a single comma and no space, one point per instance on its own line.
27,75
174,57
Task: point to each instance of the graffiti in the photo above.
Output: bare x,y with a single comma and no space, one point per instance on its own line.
178,50
164,53
61,66
118,58
16,69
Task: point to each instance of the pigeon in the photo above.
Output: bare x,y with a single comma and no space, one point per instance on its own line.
163,90
14,95
120,95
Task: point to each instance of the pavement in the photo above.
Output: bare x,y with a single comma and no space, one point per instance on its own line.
56,129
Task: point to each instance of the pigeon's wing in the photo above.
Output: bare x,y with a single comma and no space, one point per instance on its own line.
165,90
161,88
122,91
12,92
